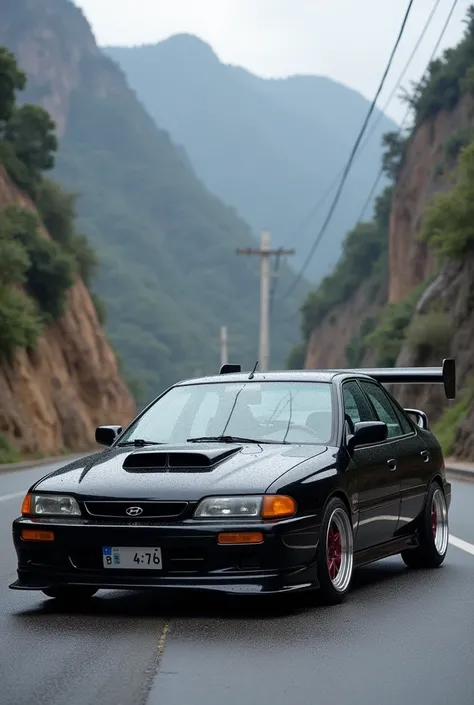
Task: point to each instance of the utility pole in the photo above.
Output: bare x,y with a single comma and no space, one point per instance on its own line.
264,253
224,348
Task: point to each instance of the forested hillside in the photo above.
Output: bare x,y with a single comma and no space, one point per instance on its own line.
53,354
410,270
166,245
35,272
271,148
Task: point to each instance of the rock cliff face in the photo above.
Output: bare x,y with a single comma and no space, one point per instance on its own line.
426,169
452,292
420,178
52,399
327,343
52,75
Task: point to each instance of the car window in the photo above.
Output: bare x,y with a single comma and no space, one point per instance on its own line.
205,414
405,422
384,408
294,412
166,423
355,404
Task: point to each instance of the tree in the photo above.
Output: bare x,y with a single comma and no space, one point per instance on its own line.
32,132
51,270
11,80
448,223
394,146
57,208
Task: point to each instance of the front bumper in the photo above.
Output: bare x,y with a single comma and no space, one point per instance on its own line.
191,556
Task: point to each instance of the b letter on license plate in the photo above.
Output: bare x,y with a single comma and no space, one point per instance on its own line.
132,558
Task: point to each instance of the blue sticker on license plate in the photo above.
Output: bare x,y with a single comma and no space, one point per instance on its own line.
132,558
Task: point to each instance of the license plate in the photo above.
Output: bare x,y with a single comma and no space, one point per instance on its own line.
129,558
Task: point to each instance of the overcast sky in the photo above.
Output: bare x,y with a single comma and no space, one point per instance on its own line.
348,40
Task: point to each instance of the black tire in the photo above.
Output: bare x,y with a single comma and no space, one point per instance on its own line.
70,593
432,534
335,579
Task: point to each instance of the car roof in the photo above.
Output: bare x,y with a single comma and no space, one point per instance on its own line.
326,376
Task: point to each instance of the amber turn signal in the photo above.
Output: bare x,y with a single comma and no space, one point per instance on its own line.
26,506
240,537
277,506
37,535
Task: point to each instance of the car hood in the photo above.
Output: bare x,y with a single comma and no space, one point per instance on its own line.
186,472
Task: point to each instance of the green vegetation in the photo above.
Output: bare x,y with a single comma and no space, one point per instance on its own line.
363,260
388,337
449,219
357,346
446,427
429,336
296,358
456,141
446,78
166,246
35,271
7,453
394,149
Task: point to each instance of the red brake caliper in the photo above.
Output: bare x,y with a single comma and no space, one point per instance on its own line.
434,519
334,552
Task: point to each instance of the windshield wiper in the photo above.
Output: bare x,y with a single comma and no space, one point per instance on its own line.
226,439
139,443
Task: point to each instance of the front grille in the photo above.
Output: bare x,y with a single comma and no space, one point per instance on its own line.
136,511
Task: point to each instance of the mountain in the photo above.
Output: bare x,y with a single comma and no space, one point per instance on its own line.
403,292
168,269
269,147
59,376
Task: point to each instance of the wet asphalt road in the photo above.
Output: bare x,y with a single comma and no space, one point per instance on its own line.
401,638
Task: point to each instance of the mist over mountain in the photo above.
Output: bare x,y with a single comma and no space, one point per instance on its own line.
269,147
166,245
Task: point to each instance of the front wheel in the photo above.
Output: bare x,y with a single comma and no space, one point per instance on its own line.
70,593
335,553
433,534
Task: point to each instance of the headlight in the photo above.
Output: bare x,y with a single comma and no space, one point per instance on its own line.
266,507
50,505
229,507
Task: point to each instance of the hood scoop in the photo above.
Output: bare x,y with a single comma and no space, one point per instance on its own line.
176,460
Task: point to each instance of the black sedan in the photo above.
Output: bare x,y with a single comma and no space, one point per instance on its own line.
245,483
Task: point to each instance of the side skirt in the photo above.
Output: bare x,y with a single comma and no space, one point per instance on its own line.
384,550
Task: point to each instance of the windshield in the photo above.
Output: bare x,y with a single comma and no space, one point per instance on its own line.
291,412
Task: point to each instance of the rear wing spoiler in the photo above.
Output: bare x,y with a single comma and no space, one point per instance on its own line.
445,375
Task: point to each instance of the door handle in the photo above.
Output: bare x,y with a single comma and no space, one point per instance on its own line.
425,454
392,465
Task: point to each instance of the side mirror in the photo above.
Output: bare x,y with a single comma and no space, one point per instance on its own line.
366,432
419,417
106,435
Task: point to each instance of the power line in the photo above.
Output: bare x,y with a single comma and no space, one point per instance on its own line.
405,118
316,207
407,114
351,157
379,117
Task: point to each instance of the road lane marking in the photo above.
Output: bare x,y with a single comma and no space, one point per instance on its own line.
161,643
463,545
6,497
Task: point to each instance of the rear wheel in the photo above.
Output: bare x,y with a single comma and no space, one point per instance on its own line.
70,593
433,533
335,553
